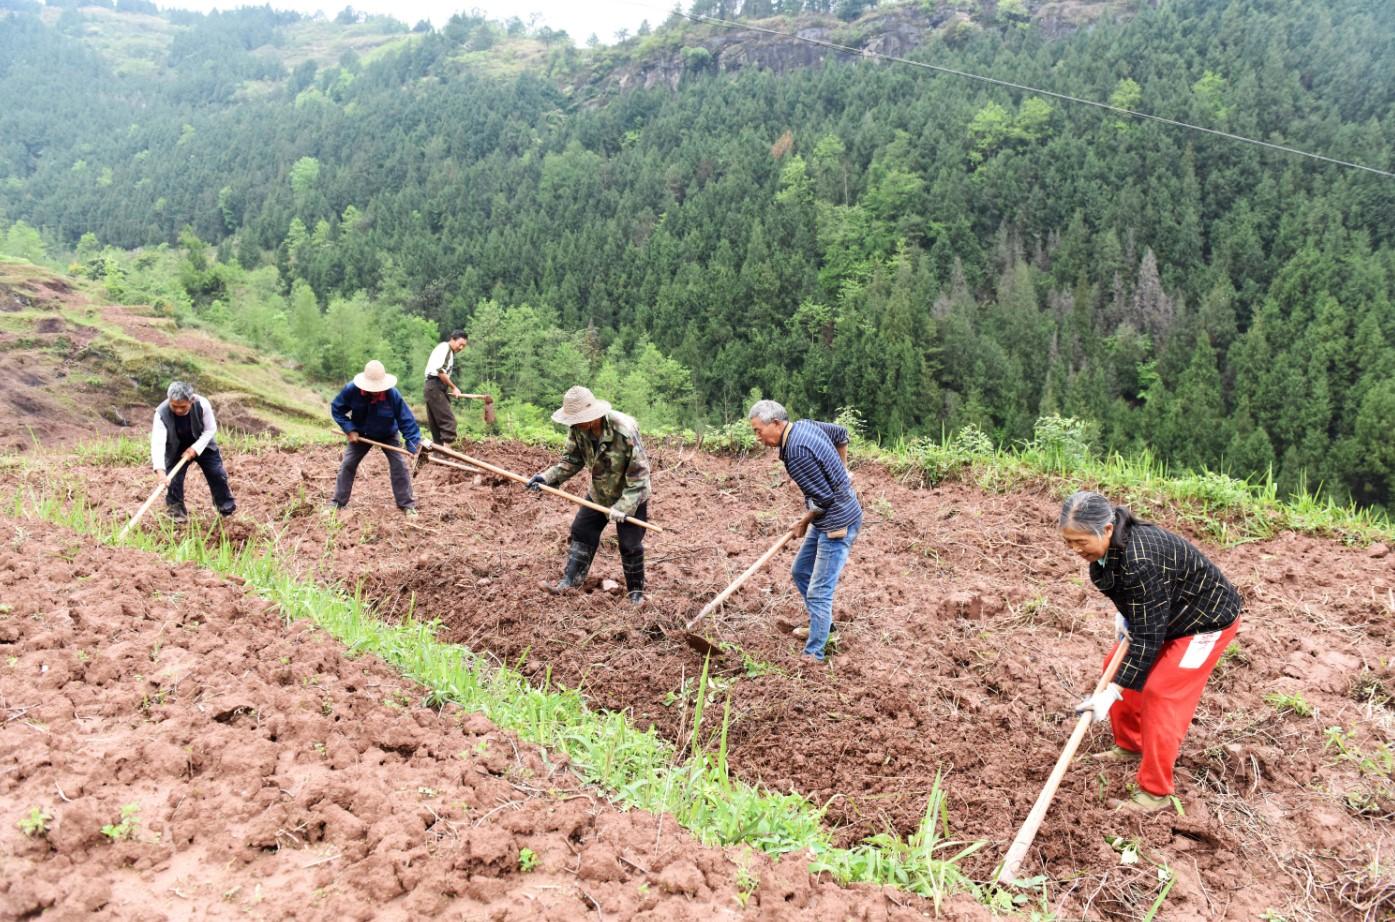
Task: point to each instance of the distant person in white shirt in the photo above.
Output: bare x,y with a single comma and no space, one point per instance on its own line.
184,428
440,388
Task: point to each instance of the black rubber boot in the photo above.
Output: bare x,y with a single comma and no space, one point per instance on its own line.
633,565
579,557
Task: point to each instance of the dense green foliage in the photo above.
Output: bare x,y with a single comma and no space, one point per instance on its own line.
933,251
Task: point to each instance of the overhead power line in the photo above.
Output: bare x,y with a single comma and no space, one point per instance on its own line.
1132,113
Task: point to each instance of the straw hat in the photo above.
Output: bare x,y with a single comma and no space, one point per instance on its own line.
374,378
579,406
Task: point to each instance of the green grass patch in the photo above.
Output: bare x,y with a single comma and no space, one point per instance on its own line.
1289,704
1224,508
639,769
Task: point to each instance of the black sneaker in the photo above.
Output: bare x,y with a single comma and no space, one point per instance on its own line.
177,514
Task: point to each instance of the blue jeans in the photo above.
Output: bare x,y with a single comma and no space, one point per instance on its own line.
817,567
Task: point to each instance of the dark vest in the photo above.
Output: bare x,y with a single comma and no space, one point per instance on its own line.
172,447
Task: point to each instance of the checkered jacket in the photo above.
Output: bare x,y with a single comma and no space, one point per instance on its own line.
1164,588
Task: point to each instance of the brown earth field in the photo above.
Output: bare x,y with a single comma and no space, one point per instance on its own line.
243,769
968,632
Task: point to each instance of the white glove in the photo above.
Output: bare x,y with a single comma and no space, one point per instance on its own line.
1121,626
617,516
1097,706
426,445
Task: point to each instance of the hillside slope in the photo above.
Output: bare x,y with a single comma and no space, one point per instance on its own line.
78,369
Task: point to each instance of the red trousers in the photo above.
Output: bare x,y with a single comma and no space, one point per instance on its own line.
1155,720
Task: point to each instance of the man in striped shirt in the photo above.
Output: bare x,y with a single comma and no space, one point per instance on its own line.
815,456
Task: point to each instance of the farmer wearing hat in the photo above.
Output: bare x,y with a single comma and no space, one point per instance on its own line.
606,442
370,406
184,428
1179,613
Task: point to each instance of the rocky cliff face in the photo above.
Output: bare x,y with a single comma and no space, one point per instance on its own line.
893,31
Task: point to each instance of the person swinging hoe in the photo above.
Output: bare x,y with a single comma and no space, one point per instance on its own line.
1179,612
607,443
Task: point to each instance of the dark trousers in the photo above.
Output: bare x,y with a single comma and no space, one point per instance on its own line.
588,525
440,417
401,475
211,463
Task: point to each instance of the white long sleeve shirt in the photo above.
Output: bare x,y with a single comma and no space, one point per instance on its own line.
158,435
441,359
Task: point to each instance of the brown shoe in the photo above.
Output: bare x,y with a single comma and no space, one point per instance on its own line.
1116,754
1144,803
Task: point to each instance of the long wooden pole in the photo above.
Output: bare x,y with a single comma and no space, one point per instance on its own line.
750,571
383,445
1018,850
151,498
456,467
580,501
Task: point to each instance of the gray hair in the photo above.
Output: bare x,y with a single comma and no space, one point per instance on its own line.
1086,510
180,390
767,411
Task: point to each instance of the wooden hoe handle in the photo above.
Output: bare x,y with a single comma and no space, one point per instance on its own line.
151,498
383,445
510,475
761,561
1018,850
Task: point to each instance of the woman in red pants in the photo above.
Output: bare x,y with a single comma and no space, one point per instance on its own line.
1180,613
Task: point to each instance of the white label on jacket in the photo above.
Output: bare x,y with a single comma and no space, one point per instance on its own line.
1198,650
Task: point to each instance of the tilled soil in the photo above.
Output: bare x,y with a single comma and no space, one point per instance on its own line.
968,632
274,777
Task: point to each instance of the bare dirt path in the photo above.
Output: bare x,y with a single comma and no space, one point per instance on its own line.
969,632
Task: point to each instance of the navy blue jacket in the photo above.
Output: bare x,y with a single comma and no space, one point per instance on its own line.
379,420
809,449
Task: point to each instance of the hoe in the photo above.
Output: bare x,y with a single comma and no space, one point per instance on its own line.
510,475
151,498
1018,850
702,644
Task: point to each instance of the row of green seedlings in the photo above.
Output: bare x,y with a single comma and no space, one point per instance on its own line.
639,768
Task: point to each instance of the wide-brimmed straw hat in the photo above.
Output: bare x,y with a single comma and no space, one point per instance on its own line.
374,378
579,406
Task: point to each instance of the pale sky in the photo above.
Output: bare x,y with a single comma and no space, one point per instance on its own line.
579,19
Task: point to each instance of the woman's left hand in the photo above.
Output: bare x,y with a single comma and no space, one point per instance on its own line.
1098,705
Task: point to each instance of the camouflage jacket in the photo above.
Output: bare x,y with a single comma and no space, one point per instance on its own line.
619,467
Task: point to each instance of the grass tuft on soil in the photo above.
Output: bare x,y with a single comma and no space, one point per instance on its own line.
636,768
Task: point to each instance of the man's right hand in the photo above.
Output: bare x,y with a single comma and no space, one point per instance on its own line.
353,436
535,484
801,527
